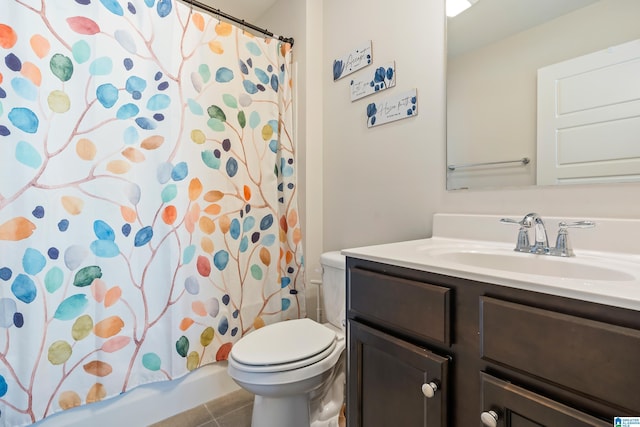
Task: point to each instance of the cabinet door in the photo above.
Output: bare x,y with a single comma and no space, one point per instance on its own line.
387,377
513,406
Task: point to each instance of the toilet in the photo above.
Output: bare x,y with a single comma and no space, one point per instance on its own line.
296,368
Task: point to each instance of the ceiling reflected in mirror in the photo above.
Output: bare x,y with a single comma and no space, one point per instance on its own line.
456,7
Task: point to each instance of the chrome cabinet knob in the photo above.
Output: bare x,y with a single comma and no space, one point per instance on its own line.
489,418
429,389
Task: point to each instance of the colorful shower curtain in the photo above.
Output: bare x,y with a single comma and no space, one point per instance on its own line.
148,212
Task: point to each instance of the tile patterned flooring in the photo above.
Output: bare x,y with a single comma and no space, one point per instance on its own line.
232,410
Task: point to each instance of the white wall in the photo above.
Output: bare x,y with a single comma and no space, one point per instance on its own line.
381,184
384,184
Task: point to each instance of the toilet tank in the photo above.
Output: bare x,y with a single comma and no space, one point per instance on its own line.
334,287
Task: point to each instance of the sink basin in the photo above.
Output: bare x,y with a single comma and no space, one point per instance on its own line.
523,263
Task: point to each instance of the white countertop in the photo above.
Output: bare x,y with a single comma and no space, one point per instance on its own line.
451,231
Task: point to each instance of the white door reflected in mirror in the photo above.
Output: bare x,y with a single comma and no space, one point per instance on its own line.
589,118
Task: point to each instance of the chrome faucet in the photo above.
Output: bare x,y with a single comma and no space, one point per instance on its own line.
541,243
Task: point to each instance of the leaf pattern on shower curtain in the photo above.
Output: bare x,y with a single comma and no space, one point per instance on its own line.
148,209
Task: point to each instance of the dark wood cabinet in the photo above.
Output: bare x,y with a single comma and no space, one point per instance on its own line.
394,383
513,406
394,380
497,354
585,355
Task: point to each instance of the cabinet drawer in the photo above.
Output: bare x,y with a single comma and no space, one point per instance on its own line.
409,307
590,357
516,406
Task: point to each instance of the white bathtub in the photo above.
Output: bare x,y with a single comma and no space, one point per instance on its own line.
149,403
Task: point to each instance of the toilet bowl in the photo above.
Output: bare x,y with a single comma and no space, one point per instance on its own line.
295,368
283,382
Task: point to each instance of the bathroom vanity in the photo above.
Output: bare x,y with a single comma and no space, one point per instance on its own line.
441,340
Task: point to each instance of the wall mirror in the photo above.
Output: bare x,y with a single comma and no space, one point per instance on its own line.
519,112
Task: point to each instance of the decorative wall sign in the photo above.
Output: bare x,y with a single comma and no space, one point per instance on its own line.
394,108
352,61
382,78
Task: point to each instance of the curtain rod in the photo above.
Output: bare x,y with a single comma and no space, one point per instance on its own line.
221,14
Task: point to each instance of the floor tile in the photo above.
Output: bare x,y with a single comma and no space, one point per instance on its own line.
191,418
229,403
240,417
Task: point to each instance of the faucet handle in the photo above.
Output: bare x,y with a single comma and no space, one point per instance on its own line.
528,221
563,247
577,224
512,221
522,245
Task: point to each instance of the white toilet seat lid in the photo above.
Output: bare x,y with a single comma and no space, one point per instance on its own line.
283,343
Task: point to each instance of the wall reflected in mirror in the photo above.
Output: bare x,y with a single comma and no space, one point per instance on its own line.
495,49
